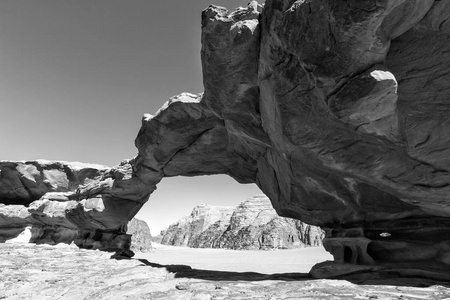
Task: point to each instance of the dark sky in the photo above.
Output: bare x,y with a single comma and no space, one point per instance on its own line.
76,76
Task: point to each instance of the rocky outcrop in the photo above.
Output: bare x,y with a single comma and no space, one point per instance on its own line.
336,109
188,229
141,238
39,196
253,224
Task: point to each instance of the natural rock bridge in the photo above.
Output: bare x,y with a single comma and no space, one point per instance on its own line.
338,110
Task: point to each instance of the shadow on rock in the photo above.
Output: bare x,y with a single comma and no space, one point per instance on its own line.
183,271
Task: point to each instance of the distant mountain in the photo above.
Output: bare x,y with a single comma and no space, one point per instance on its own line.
202,218
253,224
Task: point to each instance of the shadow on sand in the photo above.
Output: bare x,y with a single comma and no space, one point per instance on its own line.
363,278
183,271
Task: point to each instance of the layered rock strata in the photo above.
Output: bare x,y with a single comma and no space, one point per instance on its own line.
253,224
336,109
41,196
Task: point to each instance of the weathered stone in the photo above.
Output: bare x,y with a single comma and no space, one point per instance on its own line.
342,123
45,197
253,224
23,182
368,103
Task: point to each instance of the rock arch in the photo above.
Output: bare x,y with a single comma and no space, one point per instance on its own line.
336,109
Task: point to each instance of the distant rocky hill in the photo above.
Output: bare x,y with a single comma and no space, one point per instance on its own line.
141,239
253,224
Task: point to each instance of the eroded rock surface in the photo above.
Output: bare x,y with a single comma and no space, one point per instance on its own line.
43,198
336,110
253,224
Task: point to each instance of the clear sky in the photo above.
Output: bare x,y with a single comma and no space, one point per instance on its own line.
76,76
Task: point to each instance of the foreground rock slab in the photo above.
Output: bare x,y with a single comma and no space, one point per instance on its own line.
49,272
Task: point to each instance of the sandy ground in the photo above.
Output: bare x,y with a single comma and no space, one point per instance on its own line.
30,271
265,262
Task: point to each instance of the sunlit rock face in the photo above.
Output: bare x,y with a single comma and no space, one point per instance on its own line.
65,202
253,224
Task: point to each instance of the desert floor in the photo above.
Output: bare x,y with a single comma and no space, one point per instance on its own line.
44,272
266,262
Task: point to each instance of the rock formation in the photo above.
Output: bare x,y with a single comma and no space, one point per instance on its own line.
336,109
253,224
141,238
38,196
188,229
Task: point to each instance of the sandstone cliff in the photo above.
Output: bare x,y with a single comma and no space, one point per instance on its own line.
253,224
